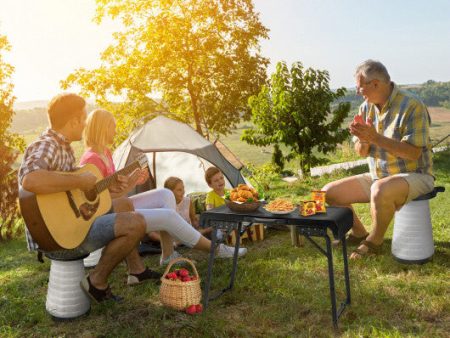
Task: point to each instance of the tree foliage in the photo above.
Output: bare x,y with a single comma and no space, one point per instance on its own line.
434,94
202,56
277,157
294,109
9,146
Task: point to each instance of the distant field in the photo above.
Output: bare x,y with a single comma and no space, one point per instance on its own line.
35,121
440,123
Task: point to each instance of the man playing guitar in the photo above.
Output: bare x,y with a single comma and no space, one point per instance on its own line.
42,172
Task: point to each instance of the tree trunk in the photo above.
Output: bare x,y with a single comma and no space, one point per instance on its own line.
194,105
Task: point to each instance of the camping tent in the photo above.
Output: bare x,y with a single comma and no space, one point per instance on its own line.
175,149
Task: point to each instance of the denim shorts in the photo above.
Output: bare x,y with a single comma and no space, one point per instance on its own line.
100,234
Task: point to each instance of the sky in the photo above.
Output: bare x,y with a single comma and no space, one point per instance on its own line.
52,38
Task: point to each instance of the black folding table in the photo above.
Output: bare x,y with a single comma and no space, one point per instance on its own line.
338,219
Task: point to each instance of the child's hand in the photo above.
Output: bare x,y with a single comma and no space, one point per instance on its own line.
143,176
120,184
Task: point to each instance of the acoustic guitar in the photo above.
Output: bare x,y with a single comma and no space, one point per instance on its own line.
62,220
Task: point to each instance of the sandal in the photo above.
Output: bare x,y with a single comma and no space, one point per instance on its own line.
372,249
353,240
98,295
350,240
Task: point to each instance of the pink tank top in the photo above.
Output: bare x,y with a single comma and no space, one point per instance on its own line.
92,157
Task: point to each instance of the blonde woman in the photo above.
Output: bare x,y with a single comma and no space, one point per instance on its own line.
157,206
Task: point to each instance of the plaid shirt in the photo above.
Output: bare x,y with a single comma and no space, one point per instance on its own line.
50,152
403,118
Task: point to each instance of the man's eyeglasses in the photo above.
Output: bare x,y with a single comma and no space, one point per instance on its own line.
364,83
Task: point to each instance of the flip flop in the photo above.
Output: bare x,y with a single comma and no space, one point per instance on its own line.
373,249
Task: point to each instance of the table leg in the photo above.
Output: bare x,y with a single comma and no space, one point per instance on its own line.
346,273
235,257
206,298
212,252
329,254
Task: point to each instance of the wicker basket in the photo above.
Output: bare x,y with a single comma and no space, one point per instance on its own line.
177,294
243,207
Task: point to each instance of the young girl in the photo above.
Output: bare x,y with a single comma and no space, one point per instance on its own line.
185,207
157,206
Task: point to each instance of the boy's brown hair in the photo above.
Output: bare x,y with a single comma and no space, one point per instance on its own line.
63,107
210,172
172,182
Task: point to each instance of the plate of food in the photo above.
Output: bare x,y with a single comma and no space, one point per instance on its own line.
280,206
242,198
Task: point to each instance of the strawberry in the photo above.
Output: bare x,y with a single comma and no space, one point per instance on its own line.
192,309
183,273
186,279
199,308
171,275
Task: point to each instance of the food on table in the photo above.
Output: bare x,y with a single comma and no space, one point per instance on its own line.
307,208
279,205
243,193
319,197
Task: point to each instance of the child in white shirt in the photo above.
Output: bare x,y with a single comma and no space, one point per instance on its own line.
185,207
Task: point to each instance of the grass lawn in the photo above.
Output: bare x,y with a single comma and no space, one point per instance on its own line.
280,290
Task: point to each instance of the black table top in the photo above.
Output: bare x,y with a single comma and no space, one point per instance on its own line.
338,219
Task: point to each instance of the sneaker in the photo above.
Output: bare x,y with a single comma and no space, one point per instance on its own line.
98,295
219,235
225,251
165,261
147,274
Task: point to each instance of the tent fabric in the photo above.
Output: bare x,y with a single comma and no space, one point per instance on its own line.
178,150
228,155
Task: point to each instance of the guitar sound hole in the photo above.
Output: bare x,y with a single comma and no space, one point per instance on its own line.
91,195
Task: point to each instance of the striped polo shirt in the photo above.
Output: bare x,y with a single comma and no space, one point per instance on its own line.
403,118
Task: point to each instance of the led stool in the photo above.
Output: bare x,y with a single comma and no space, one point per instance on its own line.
65,298
412,240
93,258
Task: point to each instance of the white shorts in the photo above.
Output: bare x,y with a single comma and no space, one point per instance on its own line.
419,184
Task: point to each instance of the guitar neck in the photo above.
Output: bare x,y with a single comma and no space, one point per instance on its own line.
107,181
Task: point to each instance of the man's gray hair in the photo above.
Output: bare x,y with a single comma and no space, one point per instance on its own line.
371,70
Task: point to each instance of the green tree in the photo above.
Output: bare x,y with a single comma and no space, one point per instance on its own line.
201,55
277,157
294,109
9,147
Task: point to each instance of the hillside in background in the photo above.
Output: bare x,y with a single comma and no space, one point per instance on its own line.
432,93
31,117
30,105
28,121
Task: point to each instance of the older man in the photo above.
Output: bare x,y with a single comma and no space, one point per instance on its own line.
392,131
